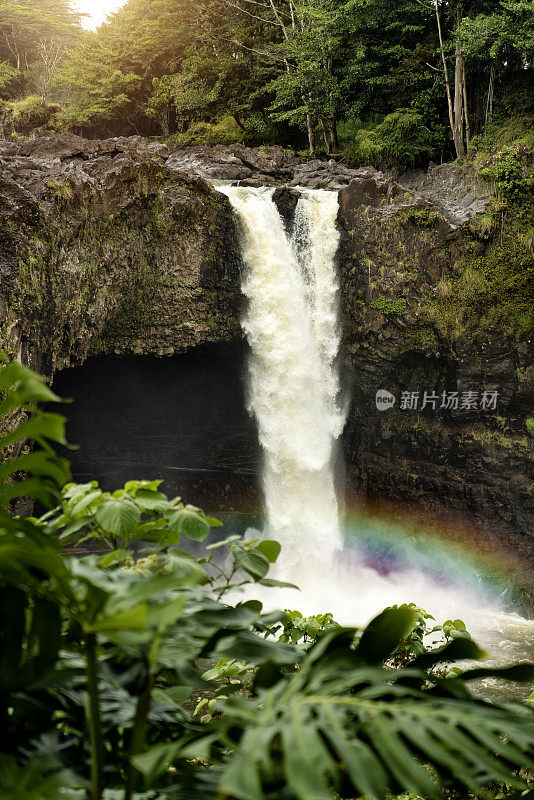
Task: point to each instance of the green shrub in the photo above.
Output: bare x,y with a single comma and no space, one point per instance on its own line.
8,75
503,156
507,174
296,628
222,131
26,115
426,217
400,139
492,284
60,189
386,305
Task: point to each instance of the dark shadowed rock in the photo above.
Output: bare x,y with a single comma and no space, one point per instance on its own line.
67,145
316,174
397,251
236,162
105,249
19,214
286,201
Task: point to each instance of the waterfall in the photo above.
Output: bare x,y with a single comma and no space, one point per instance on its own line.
292,329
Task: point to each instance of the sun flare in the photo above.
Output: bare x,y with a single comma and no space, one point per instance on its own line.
97,11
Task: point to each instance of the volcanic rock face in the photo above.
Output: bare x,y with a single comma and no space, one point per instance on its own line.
253,166
119,246
397,250
458,199
105,249
248,165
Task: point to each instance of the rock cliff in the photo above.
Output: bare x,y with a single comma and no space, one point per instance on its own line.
103,248
402,260
119,246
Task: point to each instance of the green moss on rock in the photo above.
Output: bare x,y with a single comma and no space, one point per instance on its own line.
387,305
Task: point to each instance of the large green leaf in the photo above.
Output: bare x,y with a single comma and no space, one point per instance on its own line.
253,561
84,502
173,696
270,549
241,779
150,500
118,517
229,540
38,779
338,720
460,648
519,673
39,474
246,646
384,634
189,522
155,760
303,744
274,584
130,619
29,558
29,638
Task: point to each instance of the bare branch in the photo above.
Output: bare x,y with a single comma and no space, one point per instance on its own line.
264,5
250,14
280,20
445,70
272,56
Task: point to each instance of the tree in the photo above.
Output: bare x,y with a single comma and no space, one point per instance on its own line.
310,48
284,70
386,61
101,92
7,75
492,40
34,36
499,43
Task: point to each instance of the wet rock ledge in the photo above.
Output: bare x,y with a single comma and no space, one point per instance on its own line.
103,248
123,246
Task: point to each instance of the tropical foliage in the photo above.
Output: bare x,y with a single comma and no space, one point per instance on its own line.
404,81
102,659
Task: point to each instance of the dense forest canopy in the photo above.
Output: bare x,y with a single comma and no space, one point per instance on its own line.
404,81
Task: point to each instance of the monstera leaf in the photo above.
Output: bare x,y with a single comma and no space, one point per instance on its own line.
344,723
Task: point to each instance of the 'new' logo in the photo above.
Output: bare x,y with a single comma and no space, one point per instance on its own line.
384,400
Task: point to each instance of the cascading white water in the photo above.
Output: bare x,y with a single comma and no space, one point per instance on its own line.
291,326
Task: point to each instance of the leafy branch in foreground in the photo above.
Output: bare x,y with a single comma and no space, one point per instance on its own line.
99,657
40,473
344,722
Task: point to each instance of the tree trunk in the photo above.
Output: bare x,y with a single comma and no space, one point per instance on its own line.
311,137
172,120
325,137
489,103
238,121
466,110
164,123
458,129
334,141
445,70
